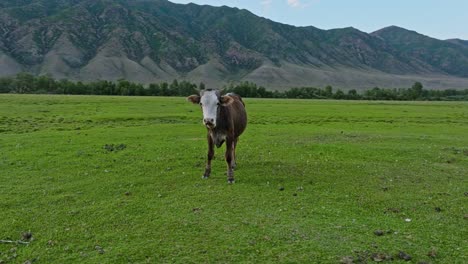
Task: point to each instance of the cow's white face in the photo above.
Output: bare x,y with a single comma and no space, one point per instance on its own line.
209,103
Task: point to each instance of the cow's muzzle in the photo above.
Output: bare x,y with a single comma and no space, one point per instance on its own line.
209,122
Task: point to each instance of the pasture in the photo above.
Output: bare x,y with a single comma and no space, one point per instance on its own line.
118,180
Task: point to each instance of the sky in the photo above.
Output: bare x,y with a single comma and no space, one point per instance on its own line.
442,19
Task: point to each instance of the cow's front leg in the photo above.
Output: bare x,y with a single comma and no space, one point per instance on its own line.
230,159
210,157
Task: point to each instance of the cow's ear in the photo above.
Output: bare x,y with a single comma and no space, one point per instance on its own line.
194,99
226,100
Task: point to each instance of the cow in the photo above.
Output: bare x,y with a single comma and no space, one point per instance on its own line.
225,119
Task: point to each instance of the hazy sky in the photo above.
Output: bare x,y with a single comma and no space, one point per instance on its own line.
442,19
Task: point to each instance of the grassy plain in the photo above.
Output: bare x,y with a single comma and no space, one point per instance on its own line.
315,180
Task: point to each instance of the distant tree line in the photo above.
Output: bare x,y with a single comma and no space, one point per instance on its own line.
25,83
415,92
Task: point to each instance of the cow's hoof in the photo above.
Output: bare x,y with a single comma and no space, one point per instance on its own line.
205,177
231,181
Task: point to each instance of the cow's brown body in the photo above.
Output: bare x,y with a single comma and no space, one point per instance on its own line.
231,121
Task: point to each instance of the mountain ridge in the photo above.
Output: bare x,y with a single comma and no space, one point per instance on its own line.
157,40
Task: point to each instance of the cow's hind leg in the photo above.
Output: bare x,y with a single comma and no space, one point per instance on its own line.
230,159
234,160
210,157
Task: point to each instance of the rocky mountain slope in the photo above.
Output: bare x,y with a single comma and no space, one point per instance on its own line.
156,40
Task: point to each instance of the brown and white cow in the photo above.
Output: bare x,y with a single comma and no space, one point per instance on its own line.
225,119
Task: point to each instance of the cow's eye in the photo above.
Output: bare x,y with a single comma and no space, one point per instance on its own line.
201,104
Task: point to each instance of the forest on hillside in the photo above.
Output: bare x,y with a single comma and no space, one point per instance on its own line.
25,83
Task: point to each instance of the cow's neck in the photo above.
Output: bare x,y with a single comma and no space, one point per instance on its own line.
218,136
220,132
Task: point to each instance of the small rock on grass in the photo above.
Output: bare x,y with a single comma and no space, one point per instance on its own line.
378,232
100,250
26,236
379,257
347,260
402,255
392,210
432,253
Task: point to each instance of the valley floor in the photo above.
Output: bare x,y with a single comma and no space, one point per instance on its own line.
118,180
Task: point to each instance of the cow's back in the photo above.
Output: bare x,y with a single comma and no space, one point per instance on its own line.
238,115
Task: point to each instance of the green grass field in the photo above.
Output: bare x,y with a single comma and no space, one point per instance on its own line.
118,180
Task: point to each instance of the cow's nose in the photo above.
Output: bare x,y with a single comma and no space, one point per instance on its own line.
208,121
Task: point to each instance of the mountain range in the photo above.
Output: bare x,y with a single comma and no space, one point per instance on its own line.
157,40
